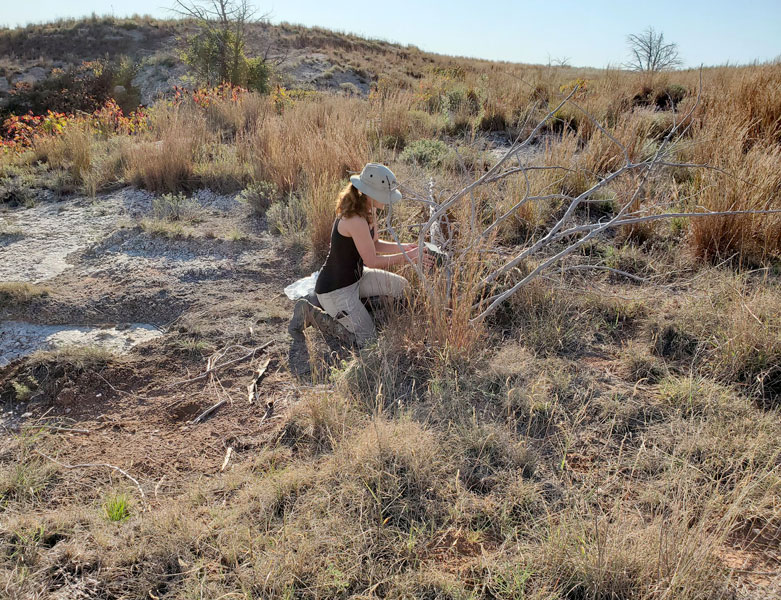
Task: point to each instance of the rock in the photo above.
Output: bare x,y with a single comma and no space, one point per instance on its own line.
119,90
5,87
66,397
32,75
155,80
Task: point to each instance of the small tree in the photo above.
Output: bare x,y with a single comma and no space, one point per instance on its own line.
650,54
216,52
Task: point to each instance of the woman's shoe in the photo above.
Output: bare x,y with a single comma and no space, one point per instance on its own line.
300,320
306,314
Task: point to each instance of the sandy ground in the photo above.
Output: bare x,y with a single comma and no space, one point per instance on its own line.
52,231
18,339
163,306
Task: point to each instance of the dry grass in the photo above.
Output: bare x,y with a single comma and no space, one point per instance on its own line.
476,504
323,137
750,239
166,163
79,357
320,197
596,439
90,161
19,292
731,332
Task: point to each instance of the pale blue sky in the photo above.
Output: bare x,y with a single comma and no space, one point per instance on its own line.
588,33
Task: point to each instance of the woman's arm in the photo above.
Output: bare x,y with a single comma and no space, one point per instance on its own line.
358,229
386,247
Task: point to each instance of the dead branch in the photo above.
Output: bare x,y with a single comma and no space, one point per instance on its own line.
214,368
565,229
605,268
208,412
90,465
260,372
56,428
227,458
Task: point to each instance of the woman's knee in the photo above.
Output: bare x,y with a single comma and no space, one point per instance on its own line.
399,286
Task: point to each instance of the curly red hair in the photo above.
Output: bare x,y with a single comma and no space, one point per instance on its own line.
352,202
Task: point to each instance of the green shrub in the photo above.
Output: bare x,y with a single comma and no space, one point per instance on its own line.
176,207
82,88
259,196
217,56
428,153
668,97
287,217
350,88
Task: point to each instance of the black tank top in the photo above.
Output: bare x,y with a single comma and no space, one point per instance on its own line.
343,265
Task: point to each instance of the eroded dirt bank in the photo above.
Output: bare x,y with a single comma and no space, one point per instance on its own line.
159,306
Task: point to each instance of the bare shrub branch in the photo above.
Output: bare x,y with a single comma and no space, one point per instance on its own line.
566,229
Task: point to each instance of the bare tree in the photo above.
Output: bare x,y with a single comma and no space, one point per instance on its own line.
546,252
649,52
217,52
558,61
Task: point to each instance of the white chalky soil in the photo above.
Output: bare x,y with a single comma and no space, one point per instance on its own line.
18,339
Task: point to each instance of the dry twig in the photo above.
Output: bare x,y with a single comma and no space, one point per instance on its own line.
90,465
214,368
208,412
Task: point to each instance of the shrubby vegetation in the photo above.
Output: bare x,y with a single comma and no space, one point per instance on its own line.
600,436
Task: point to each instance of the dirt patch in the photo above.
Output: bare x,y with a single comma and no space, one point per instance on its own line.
185,299
18,339
317,71
48,233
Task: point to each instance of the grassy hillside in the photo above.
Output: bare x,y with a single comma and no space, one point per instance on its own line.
612,431
72,41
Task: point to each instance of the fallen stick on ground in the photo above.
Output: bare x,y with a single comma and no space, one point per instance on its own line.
87,465
252,388
215,367
158,484
132,395
227,458
207,412
56,428
269,411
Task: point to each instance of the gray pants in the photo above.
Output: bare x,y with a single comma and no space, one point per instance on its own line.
345,303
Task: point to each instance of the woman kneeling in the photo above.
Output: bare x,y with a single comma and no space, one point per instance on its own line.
357,259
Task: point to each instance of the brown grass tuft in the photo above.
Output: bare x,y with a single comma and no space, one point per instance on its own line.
166,163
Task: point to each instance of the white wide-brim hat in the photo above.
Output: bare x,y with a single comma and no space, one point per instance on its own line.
377,181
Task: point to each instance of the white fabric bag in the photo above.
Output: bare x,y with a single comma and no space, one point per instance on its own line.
302,288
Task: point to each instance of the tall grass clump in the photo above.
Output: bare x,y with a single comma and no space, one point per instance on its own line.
164,161
72,150
320,198
752,184
322,137
116,508
93,162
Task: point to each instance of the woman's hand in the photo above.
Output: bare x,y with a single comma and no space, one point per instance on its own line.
427,261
